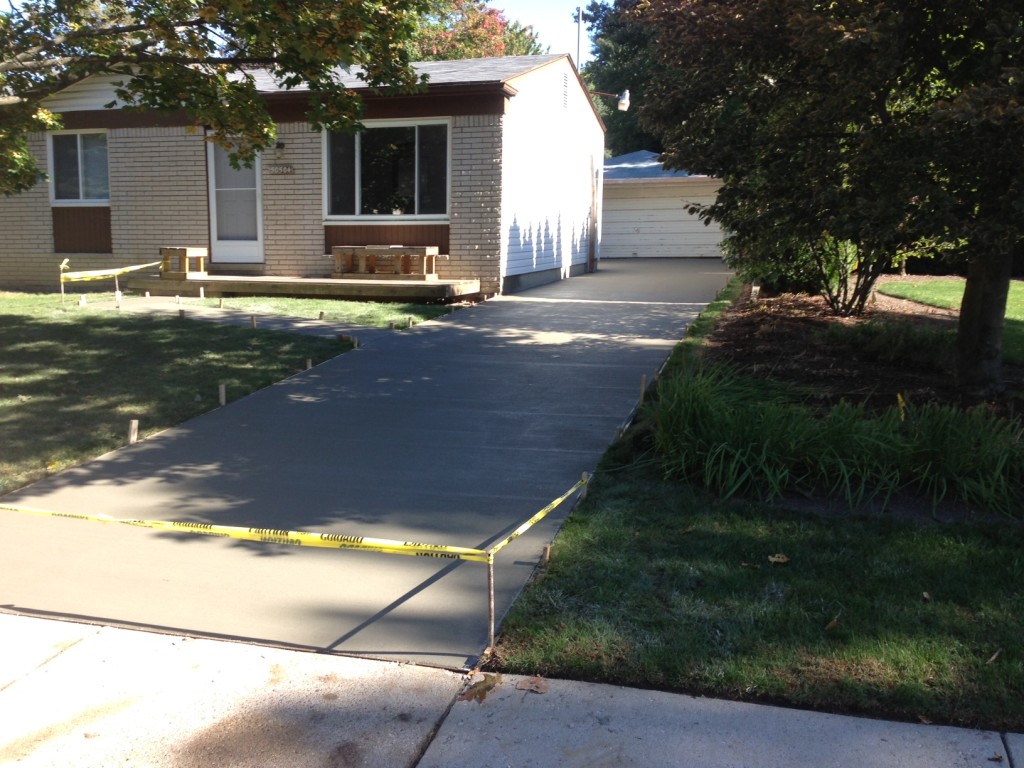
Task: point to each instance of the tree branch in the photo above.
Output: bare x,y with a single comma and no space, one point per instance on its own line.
26,62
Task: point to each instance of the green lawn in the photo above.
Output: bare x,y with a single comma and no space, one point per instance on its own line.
72,378
949,293
370,313
653,583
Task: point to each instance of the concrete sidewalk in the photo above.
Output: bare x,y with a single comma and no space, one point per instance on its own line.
98,697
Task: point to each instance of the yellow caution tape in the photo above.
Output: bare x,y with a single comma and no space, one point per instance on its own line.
537,517
310,539
275,536
100,274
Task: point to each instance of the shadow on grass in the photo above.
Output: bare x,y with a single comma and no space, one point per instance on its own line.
70,387
655,584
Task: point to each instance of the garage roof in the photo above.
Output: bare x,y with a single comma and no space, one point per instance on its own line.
642,165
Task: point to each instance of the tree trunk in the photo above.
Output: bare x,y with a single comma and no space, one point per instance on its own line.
979,341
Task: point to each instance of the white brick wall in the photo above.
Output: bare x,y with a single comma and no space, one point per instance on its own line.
293,229
475,233
26,235
157,198
158,194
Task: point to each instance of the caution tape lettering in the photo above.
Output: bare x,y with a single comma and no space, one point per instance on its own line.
329,540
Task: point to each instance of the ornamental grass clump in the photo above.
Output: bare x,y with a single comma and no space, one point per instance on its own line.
971,455
738,436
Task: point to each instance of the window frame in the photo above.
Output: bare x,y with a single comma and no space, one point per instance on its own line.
368,218
94,202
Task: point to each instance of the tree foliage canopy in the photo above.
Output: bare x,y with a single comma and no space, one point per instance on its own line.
879,124
623,58
470,29
196,56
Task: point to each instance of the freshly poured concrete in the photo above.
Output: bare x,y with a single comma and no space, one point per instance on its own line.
452,432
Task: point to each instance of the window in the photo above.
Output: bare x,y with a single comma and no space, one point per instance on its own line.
79,167
395,170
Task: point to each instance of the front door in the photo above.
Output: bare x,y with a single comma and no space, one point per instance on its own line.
236,218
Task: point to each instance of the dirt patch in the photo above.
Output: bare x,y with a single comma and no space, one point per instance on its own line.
795,338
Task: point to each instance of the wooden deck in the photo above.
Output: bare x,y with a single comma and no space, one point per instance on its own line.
389,289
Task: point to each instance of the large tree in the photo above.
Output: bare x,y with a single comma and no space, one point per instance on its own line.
196,56
878,125
470,29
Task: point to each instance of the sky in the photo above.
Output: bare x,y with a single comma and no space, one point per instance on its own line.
553,20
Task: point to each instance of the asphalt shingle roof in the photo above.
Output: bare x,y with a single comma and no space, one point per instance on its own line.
459,72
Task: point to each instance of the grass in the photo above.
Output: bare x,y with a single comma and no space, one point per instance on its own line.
655,582
71,378
949,293
368,313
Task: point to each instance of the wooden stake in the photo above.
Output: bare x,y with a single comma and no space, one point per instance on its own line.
490,601
309,363
133,431
202,292
252,320
221,305
222,394
181,314
321,314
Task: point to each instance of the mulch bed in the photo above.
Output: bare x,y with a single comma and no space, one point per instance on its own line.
784,337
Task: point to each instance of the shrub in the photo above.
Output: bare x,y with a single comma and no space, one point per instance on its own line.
736,436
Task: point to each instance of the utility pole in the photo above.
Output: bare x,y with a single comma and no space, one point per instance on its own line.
579,32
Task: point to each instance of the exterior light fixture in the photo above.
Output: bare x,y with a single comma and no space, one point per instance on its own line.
622,98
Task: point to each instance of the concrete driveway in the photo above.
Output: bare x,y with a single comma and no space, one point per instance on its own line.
452,433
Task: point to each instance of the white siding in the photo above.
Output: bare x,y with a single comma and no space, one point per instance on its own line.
93,92
651,221
551,161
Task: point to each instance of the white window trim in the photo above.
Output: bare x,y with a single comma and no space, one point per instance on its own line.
408,218
79,203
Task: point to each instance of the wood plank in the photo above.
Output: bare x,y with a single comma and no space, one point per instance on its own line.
389,234
81,229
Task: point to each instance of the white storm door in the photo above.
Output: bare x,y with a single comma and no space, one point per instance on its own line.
236,210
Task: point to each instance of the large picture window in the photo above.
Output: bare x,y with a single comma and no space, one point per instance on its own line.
389,171
79,168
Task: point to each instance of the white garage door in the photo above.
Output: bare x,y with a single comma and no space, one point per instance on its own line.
651,221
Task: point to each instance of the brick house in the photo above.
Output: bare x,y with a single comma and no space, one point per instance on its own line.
498,163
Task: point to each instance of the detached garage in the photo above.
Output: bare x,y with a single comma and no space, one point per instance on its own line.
645,211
